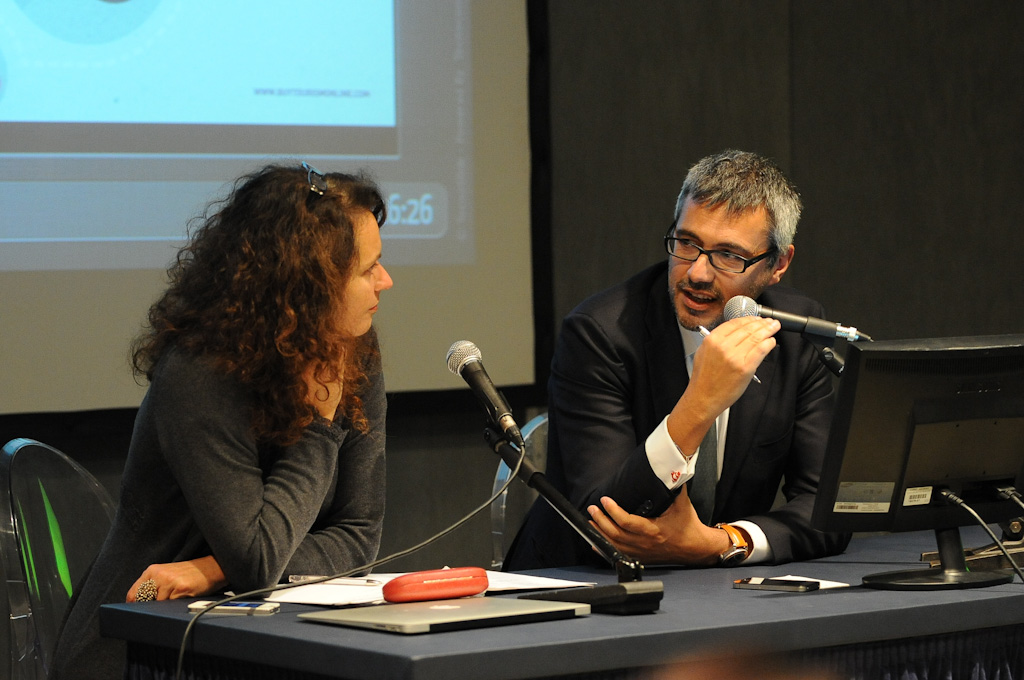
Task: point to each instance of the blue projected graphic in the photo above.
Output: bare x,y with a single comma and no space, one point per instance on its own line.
236,62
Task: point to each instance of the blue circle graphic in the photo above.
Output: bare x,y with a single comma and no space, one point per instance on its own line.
88,22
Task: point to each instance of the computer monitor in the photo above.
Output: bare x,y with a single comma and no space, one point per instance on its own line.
915,418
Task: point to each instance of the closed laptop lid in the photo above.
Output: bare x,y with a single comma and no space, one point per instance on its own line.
439,615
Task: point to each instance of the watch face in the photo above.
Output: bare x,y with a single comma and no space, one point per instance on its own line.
738,552
732,556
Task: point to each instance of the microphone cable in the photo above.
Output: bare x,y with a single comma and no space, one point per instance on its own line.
348,572
956,500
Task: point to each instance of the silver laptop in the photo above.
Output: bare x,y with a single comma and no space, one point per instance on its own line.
439,615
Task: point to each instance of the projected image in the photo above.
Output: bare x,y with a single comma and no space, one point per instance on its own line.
121,119
229,62
114,137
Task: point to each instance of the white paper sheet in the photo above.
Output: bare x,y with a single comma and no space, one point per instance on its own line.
369,590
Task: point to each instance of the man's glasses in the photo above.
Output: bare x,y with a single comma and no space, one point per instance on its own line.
317,180
721,260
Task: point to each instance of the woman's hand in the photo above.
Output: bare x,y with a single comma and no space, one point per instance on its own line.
175,580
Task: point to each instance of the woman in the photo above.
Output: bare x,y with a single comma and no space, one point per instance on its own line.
258,451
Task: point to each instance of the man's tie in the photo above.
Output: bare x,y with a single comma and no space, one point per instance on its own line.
701,488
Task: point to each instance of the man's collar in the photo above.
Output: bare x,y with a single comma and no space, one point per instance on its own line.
691,340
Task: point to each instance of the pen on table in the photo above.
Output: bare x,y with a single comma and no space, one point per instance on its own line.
304,578
705,332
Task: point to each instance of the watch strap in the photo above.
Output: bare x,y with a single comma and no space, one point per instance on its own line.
739,550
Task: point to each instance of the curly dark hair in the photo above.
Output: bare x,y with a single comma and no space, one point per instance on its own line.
256,291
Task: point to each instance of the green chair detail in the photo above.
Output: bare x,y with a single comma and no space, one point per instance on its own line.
54,516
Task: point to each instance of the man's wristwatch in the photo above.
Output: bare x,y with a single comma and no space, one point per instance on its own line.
739,550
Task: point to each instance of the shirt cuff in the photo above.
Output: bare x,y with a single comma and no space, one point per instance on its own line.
762,552
666,460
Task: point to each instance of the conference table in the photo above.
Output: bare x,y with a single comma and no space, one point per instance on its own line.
851,632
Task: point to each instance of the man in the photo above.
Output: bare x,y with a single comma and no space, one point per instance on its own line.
651,415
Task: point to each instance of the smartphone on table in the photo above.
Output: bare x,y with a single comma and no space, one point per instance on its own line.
238,608
784,584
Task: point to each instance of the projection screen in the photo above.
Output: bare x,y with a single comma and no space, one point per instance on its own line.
121,119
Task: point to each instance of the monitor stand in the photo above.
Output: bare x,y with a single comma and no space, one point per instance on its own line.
950,574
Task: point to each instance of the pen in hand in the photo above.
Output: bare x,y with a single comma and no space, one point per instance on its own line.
705,332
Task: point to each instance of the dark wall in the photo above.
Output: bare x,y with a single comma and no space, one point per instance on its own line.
900,122
639,91
908,144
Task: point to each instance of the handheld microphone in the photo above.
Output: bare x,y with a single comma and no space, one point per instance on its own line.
464,359
741,305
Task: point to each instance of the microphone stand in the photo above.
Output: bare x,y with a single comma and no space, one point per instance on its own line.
826,354
823,346
631,595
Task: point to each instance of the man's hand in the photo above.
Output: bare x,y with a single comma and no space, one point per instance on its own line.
728,357
722,369
676,537
175,580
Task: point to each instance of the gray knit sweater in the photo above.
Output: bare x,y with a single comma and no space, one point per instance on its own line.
196,483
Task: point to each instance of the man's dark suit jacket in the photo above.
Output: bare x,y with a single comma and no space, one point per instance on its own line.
618,370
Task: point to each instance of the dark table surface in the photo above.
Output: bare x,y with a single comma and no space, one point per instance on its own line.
701,612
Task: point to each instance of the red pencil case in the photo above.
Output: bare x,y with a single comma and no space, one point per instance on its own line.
436,584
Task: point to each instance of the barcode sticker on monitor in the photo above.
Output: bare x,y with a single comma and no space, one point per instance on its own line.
861,507
917,495
863,497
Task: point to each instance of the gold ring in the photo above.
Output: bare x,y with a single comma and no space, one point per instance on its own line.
146,591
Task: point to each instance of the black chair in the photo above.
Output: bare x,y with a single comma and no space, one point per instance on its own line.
509,510
54,516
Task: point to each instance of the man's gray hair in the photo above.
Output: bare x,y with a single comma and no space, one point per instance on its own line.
743,181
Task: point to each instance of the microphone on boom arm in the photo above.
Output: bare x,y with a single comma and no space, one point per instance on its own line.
631,595
741,305
465,359
820,333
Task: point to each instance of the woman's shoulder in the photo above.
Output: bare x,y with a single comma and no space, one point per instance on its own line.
182,376
178,364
